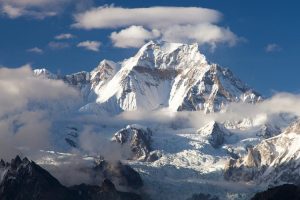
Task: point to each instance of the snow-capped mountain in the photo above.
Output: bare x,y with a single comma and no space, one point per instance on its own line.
161,75
203,160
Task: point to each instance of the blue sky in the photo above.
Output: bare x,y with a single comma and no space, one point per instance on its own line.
265,54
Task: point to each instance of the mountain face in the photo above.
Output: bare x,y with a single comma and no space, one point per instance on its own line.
272,161
215,133
161,75
137,138
24,179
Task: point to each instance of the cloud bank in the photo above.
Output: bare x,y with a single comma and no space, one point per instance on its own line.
27,107
173,24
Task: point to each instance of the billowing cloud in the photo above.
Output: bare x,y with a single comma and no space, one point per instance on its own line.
114,17
27,107
90,45
35,50
96,144
134,36
202,33
64,36
173,24
272,48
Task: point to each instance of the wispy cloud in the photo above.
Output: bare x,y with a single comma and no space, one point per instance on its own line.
35,50
58,45
273,47
33,8
64,36
173,24
90,45
40,9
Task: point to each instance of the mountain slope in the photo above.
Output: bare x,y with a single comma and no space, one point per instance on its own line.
273,161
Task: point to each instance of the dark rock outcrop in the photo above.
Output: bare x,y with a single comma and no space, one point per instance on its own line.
24,180
202,196
71,137
288,192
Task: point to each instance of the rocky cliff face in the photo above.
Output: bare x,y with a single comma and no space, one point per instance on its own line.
137,138
272,161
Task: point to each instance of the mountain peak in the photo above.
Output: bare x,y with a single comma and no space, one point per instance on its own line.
44,73
215,132
167,55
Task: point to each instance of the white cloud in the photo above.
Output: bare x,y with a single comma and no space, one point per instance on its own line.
201,33
33,8
153,17
64,36
273,48
90,45
35,50
58,45
40,9
174,24
27,107
12,12
134,36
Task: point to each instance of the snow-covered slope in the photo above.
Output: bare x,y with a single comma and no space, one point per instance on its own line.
161,75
